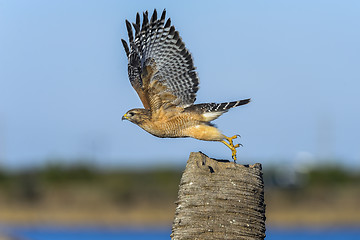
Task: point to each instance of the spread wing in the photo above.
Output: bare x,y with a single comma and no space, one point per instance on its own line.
160,68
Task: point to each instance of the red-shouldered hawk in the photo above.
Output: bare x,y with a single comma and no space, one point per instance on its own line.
162,72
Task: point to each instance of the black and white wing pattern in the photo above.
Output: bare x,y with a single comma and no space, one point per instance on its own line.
159,64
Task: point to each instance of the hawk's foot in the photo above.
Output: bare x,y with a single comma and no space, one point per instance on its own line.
231,145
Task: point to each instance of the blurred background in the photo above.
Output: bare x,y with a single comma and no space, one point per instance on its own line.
67,159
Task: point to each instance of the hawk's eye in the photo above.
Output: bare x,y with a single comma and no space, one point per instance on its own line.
130,114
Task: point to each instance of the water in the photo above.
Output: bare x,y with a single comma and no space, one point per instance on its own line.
98,233
314,234
86,233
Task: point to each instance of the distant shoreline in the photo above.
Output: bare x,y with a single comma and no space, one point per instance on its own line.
145,217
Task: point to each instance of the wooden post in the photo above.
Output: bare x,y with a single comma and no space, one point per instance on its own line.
219,200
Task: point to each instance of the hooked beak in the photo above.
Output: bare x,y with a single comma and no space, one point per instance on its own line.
124,117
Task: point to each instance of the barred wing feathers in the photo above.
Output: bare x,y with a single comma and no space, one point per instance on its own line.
158,57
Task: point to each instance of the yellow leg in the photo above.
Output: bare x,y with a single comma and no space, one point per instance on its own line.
231,145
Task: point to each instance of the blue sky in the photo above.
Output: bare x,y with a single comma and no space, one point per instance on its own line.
64,85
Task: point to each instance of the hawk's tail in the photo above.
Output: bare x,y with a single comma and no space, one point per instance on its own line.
218,107
211,111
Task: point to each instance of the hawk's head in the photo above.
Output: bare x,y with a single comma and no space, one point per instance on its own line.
137,115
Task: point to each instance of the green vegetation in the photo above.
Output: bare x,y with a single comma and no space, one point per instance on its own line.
333,175
117,185
131,186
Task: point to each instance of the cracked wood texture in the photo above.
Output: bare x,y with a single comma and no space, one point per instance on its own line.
219,199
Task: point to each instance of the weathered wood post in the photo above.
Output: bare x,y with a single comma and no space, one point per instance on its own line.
219,200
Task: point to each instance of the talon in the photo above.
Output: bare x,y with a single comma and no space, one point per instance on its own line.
231,138
234,155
